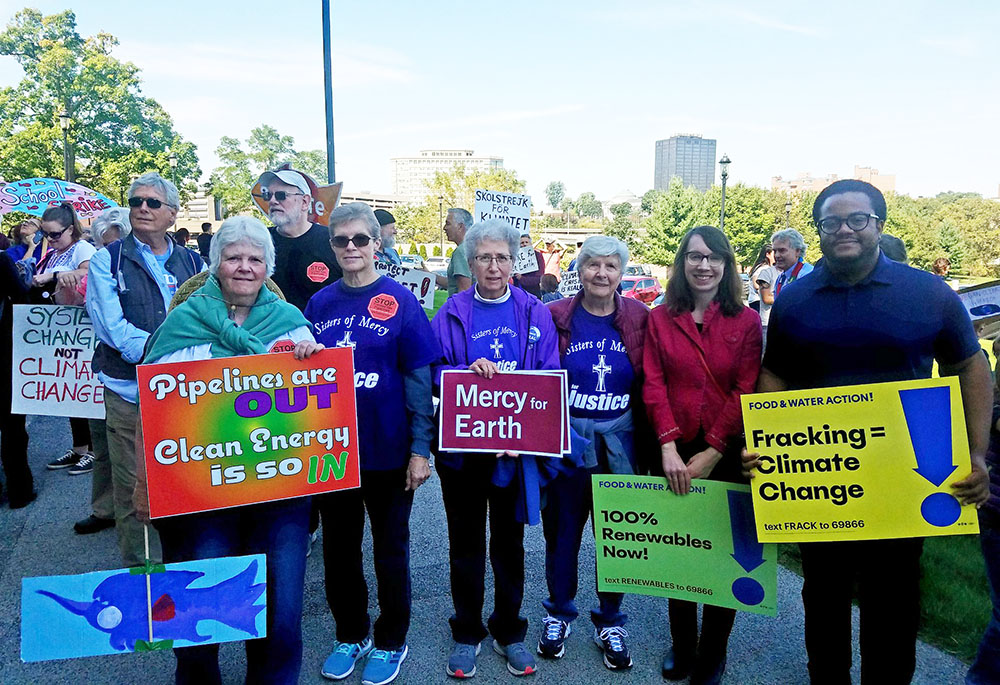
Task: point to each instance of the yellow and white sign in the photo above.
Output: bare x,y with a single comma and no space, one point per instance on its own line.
859,462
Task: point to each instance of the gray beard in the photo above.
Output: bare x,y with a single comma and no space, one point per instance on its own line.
388,243
283,219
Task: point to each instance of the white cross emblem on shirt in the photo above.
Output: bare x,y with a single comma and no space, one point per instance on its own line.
496,347
346,341
601,369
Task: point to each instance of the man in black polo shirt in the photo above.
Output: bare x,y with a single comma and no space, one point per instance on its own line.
303,259
861,318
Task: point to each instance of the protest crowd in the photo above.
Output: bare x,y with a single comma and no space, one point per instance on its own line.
650,392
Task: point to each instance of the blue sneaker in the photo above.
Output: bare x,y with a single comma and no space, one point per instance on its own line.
383,666
519,659
462,661
345,655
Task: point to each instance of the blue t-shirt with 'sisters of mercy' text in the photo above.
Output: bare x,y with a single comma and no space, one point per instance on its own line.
600,373
493,334
391,337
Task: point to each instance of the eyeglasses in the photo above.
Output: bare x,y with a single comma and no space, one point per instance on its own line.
151,202
500,259
55,235
359,240
279,195
695,258
856,222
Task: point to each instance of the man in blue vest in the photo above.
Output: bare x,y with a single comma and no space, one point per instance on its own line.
129,286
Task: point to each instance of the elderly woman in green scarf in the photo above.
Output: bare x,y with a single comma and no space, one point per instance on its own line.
234,314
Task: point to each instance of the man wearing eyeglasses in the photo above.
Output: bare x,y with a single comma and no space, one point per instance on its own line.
862,318
789,249
303,260
129,286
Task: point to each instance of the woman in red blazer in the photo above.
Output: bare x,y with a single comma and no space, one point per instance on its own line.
702,352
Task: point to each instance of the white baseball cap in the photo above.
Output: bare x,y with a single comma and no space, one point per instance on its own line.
292,178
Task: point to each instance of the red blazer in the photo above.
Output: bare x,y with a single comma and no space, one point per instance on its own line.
680,397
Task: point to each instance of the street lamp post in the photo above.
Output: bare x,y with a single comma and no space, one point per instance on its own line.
173,167
788,212
724,164
64,122
441,220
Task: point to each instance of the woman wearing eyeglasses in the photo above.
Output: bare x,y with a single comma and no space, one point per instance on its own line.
491,328
702,352
393,350
58,274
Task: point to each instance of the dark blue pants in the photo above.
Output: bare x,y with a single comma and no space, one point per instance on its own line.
281,531
468,493
887,573
569,502
986,668
388,504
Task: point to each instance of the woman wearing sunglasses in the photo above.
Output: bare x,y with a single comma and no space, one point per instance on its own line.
393,349
702,352
57,277
23,239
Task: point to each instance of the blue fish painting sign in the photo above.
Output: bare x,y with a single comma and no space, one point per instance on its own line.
112,612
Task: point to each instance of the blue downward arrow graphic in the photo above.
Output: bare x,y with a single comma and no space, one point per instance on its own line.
928,418
747,552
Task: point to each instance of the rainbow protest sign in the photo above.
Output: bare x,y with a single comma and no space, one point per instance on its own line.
241,430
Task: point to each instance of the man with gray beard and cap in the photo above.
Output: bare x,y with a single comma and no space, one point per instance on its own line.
304,262
386,251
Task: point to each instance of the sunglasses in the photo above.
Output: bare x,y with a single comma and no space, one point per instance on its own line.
279,195
359,240
55,235
151,202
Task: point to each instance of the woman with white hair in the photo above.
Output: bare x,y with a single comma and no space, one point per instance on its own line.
234,314
393,350
491,328
112,224
601,337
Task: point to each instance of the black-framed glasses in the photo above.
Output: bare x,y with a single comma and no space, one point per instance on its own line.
359,240
858,221
279,195
55,234
695,258
151,202
500,259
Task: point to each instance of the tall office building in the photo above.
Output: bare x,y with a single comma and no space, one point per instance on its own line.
689,156
410,175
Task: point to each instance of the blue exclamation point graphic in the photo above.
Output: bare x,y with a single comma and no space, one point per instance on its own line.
928,418
747,552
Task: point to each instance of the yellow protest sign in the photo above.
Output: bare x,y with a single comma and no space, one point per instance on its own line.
859,462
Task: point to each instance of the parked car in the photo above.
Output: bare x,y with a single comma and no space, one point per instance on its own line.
436,263
637,270
412,261
642,288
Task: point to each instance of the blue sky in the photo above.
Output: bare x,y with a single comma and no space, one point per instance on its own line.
580,91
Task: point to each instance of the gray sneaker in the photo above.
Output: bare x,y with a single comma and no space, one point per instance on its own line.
462,661
84,465
519,659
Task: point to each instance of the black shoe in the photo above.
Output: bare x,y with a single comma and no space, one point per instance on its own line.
676,668
16,503
708,673
92,524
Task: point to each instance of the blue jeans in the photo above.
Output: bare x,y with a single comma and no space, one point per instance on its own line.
281,531
568,503
986,668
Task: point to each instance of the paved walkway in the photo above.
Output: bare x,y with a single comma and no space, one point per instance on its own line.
39,540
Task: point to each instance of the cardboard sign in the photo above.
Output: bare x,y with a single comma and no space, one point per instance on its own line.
859,462
240,430
51,375
515,410
324,199
525,261
700,547
982,301
513,208
569,283
35,195
111,612
420,283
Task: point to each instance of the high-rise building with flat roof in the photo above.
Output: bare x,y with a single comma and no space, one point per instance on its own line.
690,157
410,175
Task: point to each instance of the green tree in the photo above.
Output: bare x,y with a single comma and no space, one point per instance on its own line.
555,192
952,244
458,186
674,211
622,225
588,205
240,167
648,200
115,133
